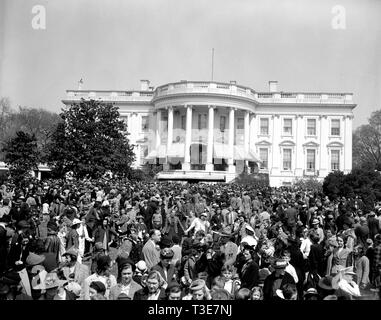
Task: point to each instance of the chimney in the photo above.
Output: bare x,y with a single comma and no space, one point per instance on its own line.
273,86
144,85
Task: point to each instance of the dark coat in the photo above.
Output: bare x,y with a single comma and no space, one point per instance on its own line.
171,272
249,275
268,292
142,294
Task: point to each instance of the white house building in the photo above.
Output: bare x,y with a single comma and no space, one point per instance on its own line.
211,131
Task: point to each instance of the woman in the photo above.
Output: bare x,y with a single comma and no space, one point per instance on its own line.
104,234
173,226
126,285
154,288
361,263
338,257
305,245
257,293
199,291
249,274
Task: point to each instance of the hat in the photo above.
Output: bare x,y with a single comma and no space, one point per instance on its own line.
98,246
50,281
141,266
372,213
105,203
280,264
311,292
98,199
248,227
330,216
98,285
72,251
197,285
166,242
139,216
75,221
331,297
123,296
128,206
166,253
204,214
34,259
326,283
23,224
74,287
362,219
315,221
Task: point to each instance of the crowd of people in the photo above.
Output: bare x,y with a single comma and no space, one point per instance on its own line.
121,240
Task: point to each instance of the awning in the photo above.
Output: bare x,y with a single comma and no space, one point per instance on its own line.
241,154
160,152
176,150
221,151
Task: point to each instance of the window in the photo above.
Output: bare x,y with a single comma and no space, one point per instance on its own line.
287,126
335,127
144,123
335,159
311,127
222,123
201,121
310,160
264,156
286,159
264,126
240,124
183,122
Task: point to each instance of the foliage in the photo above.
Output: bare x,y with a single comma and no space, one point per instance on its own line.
367,143
311,184
364,183
90,141
259,180
38,122
21,156
152,169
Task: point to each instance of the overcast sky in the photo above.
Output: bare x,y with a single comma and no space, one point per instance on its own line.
113,44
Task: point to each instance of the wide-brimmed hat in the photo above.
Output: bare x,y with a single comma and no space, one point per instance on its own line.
75,221
34,259
248,227
372,213
326,283
315,221
205,214
311,292
166,241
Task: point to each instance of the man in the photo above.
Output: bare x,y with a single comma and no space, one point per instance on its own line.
72,269
126,284
318,230
151,249
276,280
3,244
97,291
52,242
373,225
164,267
174,291
362,232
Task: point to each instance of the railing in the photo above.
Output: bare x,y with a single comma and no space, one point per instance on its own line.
215,88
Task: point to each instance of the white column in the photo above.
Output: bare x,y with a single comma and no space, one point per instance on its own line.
39,175
188,139
323,152
299,165
246,134
253,133
170,128
347,144
231,141
209,156
158,136
276,165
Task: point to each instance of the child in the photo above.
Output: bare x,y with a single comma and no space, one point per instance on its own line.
232,283
257,293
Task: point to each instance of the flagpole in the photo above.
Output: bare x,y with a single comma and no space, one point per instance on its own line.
212,62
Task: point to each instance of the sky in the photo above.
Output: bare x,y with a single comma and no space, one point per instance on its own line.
113,44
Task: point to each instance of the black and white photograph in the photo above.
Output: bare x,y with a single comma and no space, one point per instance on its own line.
204,151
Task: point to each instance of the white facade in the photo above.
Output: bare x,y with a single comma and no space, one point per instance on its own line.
186,126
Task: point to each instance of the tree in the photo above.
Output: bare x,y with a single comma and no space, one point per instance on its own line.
21,156
311,183
367,143
90,141
38,122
